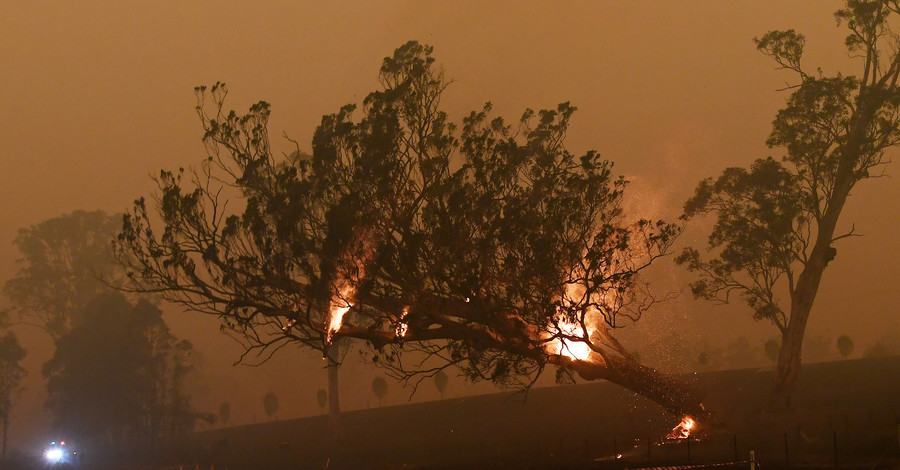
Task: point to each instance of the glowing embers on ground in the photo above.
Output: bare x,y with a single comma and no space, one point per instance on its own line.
683,430
339,305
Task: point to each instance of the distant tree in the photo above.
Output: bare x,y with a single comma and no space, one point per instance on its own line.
379,388
63,260
440,382
492,249
225,412
777,222
270,404
322,398
11,374
772,348
116,379
845,346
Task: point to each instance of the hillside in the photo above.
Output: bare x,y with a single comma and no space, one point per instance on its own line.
854,404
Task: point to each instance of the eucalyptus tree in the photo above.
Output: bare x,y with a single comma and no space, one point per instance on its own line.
270,404
379,389
777,222
491,247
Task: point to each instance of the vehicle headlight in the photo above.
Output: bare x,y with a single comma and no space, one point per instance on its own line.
53,455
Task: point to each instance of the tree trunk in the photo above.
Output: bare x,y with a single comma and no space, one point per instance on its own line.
676,396
334,401
788,367
804,293
5,430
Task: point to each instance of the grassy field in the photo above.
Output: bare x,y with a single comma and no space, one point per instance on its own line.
845,413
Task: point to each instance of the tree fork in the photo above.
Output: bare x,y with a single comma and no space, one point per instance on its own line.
789,363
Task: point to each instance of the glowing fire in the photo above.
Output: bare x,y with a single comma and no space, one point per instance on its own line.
338,307
572,348
683,430
577,350
402,326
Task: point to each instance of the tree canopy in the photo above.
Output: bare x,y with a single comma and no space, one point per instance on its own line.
777,222
117,378
379,388
63,262
270,404
489,247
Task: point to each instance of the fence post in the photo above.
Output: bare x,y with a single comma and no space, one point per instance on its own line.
752,460
787,459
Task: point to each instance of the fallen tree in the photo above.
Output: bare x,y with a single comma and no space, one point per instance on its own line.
491,248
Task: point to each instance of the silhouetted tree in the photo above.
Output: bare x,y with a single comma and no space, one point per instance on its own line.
772,348
440,382
116,378
776,223
63,260
515,257
11,374
379,388
225,412
270,404
322,398
845,346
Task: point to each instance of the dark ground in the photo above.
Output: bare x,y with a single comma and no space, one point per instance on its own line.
846,412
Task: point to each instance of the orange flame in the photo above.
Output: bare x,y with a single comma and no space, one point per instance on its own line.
571,348
402,326
683,430
577,350
339,305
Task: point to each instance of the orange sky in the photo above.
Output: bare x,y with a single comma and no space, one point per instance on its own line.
96,95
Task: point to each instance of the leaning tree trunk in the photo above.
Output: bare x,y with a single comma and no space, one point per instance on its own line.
804,294
675,395
788,367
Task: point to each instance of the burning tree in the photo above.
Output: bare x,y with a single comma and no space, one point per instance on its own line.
777,222
492,249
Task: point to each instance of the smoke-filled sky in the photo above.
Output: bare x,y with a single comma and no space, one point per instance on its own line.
97,95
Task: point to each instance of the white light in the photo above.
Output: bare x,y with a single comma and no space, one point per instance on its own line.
53,455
